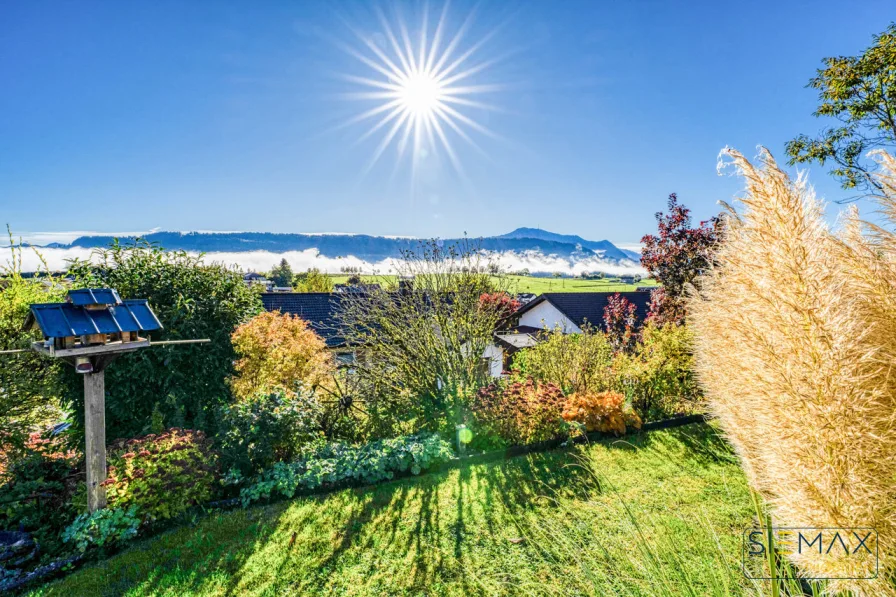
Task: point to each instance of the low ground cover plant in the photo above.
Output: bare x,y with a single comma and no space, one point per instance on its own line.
337,465
102,529
162,475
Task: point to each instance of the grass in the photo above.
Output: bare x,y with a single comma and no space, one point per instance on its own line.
537,285
458,532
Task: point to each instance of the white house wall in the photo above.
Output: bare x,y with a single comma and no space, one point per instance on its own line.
495,356
546,315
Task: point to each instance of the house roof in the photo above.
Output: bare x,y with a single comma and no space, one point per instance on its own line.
516,341
60,320
93,296
588,307
319,309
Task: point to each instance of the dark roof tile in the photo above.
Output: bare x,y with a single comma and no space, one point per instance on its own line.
319,309
588,307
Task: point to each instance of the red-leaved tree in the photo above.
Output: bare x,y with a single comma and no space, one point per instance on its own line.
676,256
619,321
502,303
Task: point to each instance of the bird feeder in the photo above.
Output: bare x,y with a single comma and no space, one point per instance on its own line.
89,330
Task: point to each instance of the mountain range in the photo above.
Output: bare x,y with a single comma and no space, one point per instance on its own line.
370,248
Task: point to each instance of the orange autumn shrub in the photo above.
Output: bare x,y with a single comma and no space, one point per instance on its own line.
277,351
604,411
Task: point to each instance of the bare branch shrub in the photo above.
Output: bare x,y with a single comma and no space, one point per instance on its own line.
419,346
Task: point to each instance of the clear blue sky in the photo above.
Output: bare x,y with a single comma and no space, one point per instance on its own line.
126,116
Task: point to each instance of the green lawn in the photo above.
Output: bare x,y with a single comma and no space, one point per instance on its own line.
536,285
457,532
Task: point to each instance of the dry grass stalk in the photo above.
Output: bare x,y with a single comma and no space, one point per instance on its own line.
796,342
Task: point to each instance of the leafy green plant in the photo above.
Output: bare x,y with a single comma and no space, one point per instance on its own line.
519,412
192,299
163,475
38,490
658,376
255,433
104,528
573,362
29,384
338,465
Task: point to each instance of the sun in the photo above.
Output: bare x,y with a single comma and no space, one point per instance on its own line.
423,88
420,94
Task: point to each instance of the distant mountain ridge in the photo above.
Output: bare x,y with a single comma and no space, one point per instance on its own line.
368,247
594,245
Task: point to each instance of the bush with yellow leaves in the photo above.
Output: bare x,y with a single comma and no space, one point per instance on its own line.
277,351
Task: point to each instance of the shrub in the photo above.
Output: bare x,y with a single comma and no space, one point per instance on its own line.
313,281
795,344
38,490
338,465
619,321
574,362
658,375
30,384
499,302
520,412
606,412
104,528
277,351
664,309
192,299
266,428
423,344
162,475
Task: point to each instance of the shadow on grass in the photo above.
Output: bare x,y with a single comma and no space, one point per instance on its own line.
403,537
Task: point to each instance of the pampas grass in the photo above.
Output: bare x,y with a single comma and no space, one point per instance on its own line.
795,348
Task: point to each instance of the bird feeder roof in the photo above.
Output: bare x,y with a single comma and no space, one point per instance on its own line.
61,320
93,296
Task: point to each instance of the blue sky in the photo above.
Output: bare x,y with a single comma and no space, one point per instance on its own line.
127,116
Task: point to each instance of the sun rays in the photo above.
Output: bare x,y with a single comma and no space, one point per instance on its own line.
425,89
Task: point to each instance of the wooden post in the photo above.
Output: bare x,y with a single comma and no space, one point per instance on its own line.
95,431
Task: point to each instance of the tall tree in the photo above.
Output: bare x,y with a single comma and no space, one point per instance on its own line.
860,92
678,254
282,274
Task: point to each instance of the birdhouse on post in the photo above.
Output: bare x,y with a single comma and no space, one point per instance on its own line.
89,330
